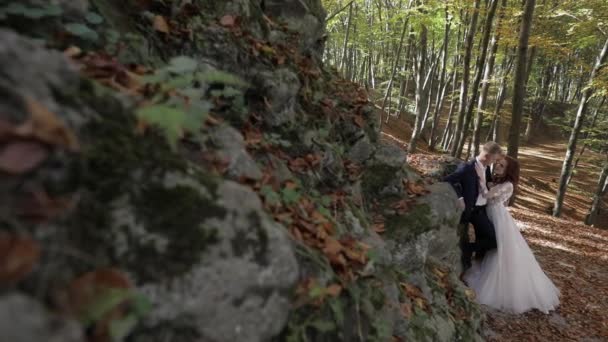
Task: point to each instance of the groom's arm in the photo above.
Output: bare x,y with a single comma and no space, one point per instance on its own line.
455,179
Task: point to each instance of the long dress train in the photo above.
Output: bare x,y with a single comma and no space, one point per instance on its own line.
509,278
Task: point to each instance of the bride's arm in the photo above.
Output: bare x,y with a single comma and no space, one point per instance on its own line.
500,192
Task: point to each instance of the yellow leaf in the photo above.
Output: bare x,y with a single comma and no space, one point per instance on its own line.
160,24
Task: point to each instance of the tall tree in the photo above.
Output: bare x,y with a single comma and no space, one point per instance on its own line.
464,85
421,90
485,86
479,70
576,129
519,84
443,85
602,188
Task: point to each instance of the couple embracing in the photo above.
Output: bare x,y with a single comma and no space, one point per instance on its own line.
499,265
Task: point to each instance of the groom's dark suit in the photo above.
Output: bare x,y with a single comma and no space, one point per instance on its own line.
466,184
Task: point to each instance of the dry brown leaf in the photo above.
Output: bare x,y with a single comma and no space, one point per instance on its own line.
18,256
333,290
47,127
379,227
72,51
18,157
228,21
160,24
359,121
332,246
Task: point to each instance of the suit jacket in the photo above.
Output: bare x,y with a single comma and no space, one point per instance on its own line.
465,182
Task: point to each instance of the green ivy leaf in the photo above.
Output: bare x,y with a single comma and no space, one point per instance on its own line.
82,31
102,305
93,18
182,65
167,118
323,326
120,329
270,195
290,196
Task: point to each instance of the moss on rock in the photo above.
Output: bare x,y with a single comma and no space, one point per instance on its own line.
409,225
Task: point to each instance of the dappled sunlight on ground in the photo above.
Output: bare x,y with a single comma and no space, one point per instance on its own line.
575,257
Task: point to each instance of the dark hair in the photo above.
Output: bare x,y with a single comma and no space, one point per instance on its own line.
511,172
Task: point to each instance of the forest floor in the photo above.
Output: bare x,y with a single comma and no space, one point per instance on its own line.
573,255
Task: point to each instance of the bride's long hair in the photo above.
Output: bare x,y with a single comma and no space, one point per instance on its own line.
511,172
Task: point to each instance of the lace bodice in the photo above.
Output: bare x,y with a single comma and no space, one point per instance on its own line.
501,193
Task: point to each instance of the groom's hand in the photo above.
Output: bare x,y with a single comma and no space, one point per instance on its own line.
461,204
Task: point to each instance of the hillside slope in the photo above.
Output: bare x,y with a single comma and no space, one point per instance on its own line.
190,171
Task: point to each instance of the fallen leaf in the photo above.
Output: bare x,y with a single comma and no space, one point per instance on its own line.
333,290
379,227
72,51
359,121
18,157
160,24
18,256
47,127
332,246
228,21
95,297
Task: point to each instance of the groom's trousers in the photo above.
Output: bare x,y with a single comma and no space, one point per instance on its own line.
485,236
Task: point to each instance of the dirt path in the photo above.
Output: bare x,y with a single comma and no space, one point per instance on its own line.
575,257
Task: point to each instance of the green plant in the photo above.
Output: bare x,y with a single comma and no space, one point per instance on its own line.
179,105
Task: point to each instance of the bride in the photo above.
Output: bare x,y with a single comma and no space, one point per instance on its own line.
509,278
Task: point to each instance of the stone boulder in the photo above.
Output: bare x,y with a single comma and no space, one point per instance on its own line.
201,248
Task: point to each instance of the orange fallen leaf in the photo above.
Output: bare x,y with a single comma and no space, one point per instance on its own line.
332,246
160,24
47,127
18,256
333,290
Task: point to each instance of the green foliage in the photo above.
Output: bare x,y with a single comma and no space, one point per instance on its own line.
121,327
185,112
81,31
93,18
30,12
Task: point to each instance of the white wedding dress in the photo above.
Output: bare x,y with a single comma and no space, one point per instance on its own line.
509,278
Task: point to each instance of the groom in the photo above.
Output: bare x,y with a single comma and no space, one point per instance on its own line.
470,181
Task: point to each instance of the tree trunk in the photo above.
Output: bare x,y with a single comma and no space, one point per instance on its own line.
519,85
420,65
396,64
578,124
464,86
479,68
602,186
443,85
580,154
486,81
346,37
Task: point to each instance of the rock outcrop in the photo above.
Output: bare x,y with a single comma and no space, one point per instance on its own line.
279,216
